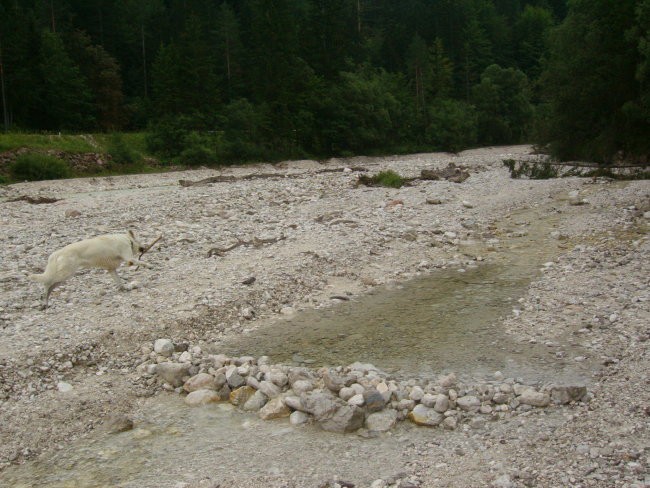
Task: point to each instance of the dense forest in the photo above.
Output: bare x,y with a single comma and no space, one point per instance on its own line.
241,80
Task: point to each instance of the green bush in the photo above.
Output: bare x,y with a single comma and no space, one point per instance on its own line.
35,167
120,152
197,151
388,179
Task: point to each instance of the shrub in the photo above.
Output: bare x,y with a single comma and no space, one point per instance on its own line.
538,170
197,151
120,152
35,167
388,179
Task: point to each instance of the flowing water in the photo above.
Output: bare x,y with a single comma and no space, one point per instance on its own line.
445,321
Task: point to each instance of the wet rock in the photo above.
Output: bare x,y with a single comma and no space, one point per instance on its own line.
173,373
425,416
381,421
202,397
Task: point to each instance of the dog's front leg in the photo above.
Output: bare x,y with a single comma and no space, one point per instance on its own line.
116,278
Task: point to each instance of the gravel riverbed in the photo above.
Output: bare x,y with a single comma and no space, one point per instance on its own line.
262,242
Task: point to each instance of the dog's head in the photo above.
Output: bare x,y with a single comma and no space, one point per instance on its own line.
136,247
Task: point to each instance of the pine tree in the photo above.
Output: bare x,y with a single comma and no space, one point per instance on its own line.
64,95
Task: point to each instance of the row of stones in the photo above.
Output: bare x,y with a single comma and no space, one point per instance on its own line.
344,399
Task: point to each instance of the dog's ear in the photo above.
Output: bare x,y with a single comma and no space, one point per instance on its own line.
131,234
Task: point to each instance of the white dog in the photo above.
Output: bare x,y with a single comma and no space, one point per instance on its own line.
105,252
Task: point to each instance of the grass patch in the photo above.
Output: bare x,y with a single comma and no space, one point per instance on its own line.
63,142
388,179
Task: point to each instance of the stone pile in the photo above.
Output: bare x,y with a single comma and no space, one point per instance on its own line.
343,399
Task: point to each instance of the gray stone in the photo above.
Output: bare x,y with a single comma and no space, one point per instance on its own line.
426,416
234,379
319,403
346,418
271,390
447,381
117,423
256,402
500,398
274,409
357,400
381,421
374,400
164,347
468,403
441,404
562,395
202,397
173,373
535,398
201,381
302,386
298,418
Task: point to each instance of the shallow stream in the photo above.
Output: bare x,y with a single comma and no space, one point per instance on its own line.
448,320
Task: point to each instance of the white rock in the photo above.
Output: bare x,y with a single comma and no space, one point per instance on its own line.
64,387
164,347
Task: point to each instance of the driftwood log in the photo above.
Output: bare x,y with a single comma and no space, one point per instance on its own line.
259,176
34,200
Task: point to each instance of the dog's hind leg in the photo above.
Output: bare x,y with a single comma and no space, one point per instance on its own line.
46,294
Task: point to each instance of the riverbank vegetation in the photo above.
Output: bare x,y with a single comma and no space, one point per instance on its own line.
203,83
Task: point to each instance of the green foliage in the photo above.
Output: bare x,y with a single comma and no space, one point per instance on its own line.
198,151
388,179
65,98
121,153
503,105
596,99
60,142
36,166
453,125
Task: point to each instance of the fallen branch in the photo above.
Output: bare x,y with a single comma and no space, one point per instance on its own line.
258,176
255,242
146,249
34,200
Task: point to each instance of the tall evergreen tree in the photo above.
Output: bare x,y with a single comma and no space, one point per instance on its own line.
591,83
64,95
